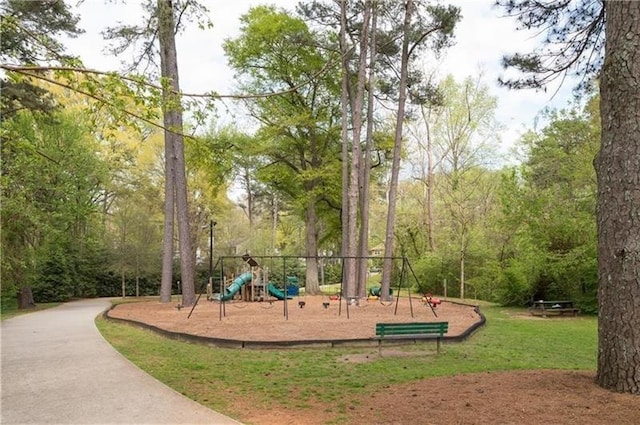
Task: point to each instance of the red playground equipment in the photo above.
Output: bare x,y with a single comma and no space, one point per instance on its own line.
428,298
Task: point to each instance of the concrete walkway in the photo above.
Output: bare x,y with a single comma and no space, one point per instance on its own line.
57,369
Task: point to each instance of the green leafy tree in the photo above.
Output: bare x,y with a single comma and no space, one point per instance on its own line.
370,43
549,211
130,100
562,186
520,260
30,32
588,37
51,183
465,133
277,52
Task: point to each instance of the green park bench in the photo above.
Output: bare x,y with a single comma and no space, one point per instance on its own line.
413,330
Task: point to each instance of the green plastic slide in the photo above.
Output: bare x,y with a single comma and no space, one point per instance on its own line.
242,280
278,293
235,286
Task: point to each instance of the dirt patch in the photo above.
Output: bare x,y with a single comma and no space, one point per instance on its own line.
520,397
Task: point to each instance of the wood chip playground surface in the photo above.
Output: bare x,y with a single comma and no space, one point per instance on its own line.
318,320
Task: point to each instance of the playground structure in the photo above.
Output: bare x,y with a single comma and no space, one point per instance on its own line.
252,285
315,318
255,285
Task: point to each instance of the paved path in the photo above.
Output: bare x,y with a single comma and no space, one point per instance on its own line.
57,369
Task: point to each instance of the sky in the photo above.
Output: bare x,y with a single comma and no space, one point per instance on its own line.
482,38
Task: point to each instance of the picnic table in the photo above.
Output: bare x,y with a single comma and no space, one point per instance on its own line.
544,308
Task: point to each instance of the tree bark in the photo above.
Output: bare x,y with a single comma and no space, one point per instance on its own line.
357,116
397,151
312,286
430,180
250,206
172,110
618,203
123,253
344,107
274,222
25,298
463,250
169,208
365,170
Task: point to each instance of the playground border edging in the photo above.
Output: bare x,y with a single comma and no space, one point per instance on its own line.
235,343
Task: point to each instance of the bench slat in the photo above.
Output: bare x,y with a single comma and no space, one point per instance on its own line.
415,328
411,330
409,326
416,324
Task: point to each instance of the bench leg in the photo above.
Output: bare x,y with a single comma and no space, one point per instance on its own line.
438,345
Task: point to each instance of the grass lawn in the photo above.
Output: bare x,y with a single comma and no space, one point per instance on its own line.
10,308
225,379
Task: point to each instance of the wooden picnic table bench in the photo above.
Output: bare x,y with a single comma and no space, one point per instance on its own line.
545,308
412,330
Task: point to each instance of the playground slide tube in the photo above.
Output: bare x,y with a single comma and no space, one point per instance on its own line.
235,286
377,290
276,292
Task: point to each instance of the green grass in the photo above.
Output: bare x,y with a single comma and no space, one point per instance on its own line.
9,308
302,378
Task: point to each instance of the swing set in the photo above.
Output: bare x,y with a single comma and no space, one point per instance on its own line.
248,279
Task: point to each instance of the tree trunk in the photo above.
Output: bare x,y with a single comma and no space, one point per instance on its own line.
312,286
123,241
430,205
169,209
430,180
173,131
274,222
250,205
344,107
462,254
123,283
365,171
137,274
25,298
357,116
618,203
397,151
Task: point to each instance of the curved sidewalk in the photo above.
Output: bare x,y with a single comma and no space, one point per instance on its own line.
57,369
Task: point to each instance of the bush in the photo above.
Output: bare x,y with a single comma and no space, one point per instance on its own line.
514,286
55,283
108,285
